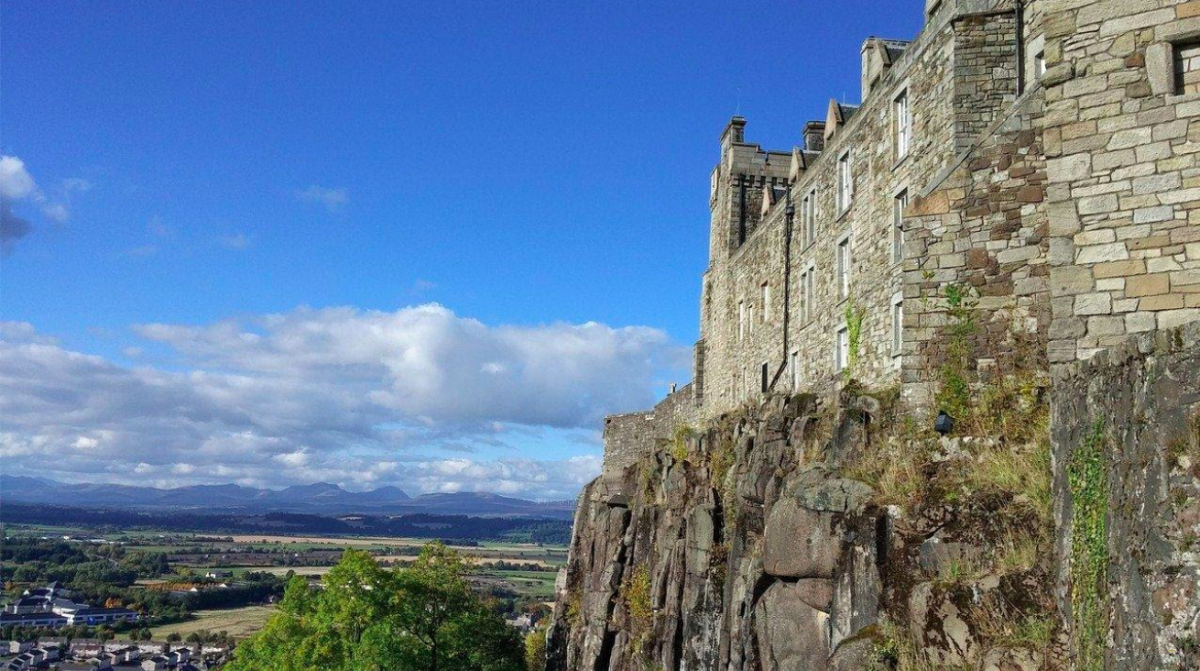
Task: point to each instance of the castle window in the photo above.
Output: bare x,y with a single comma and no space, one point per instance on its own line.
809,297
766,377
898,204
750,318
765,291
1039,64
794,367
808,217
902,122
805,294
841,350
1187,67
741,319
845,182
843,266
897,325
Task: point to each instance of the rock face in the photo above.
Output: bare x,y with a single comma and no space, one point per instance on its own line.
755,557
1134,413
755,546
757,552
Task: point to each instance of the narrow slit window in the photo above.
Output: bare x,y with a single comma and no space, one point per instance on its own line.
845,182
741,319
794,367
766,377
897,326
841,351
843,267
903,124
810,217
765,292
898,204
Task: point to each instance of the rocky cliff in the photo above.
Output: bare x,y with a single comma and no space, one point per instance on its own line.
820,533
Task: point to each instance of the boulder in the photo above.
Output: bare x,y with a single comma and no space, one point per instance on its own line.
791,634
800,543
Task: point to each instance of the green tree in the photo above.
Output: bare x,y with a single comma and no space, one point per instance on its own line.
367,618
535,647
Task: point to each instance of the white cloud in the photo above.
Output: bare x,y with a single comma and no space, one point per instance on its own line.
331,198
237,240
340,394
15,181
16,184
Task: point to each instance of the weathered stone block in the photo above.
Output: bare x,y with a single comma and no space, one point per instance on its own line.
1093,304
1147,285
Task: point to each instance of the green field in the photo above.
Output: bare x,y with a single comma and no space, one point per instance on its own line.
244,553
237,622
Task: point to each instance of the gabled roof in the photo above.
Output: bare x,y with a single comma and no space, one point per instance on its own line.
839,114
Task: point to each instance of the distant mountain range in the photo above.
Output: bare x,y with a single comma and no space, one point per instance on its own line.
319,498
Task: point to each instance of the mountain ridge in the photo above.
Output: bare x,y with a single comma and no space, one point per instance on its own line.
320,497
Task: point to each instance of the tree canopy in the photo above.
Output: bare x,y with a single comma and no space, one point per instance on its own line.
367,618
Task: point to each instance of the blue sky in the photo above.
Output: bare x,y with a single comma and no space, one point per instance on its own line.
184,178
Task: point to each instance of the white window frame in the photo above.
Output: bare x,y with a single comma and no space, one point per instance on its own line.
765,292
845,181
902,118
841,348
899,204
750,319
808,216
844,263
1039,64
897,325
741,319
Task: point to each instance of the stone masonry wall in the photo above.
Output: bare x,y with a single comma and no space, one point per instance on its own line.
981,41
1125,197
982,227
1131,411
629,436
985,72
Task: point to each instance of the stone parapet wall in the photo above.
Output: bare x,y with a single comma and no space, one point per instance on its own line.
630,436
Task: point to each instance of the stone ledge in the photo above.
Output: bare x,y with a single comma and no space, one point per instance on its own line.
1155,343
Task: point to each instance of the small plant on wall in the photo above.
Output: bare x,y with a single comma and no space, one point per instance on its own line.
954,390
854,328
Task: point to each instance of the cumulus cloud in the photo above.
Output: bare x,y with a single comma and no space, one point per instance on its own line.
16,184
332,199
339,394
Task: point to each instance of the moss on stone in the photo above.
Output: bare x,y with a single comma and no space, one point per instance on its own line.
1087,475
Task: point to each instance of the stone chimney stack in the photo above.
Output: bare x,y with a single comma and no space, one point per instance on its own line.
814,136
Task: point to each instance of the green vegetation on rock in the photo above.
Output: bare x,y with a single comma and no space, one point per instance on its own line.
1087,475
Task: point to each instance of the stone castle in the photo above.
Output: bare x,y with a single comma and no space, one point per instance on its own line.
1025,168
1037,155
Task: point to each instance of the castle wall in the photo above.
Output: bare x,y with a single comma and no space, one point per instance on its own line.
1121,138
629,436
960,74
982,227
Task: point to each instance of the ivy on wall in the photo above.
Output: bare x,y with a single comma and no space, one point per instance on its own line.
1087,475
